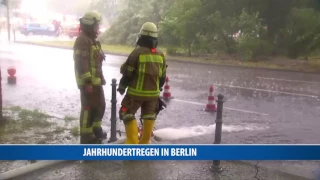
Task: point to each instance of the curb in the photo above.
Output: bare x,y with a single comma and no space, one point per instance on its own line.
36,167
68,48
181,61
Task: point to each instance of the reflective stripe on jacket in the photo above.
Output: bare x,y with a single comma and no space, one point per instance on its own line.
88,61
145,69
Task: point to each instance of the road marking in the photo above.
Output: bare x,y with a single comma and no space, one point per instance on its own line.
232,109
270,91
276,79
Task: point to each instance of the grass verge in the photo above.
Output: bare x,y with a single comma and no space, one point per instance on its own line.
75,131
25,126
70,118
312,65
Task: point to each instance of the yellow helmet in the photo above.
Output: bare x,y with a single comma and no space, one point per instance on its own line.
149,29
91,18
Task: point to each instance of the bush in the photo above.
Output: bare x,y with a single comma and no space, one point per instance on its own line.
247,46
302,32
172,51
132,38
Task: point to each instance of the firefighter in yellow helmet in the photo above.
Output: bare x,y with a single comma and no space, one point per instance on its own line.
88,58
143,75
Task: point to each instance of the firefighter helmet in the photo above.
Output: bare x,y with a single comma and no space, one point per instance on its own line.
149,29
91,18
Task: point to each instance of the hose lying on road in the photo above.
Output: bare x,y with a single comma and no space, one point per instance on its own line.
27,169
36,166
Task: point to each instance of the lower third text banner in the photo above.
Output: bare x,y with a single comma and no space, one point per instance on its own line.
159,152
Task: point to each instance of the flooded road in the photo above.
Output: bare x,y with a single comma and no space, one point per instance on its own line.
262,106
277,107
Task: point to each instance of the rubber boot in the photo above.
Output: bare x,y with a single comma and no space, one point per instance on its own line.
100,133
147,131
131,132
89,139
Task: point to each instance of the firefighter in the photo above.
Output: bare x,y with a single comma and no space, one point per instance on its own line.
88,58
143,75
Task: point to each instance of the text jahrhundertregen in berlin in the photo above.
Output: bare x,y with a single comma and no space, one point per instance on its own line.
140,152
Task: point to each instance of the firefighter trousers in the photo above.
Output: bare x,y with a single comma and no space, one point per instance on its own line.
148,114
92,111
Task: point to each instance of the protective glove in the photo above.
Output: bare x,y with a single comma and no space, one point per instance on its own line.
121,91
121,88
161,106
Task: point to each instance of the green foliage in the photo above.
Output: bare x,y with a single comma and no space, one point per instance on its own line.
75,131
21,120
182,21
172,51
202,27
124,29
249,43
303,32
70,118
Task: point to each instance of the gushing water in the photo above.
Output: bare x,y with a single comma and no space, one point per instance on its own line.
171,134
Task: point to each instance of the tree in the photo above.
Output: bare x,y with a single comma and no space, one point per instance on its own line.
108,8
125,28
302,32
4,2
12,3
182,21
267,27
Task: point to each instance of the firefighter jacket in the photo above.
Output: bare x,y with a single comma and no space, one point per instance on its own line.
88,57
145,68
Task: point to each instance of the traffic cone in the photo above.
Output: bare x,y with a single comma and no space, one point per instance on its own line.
166,92
211,106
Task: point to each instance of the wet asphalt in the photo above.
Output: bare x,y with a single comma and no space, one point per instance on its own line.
262,106
163,170
285,109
